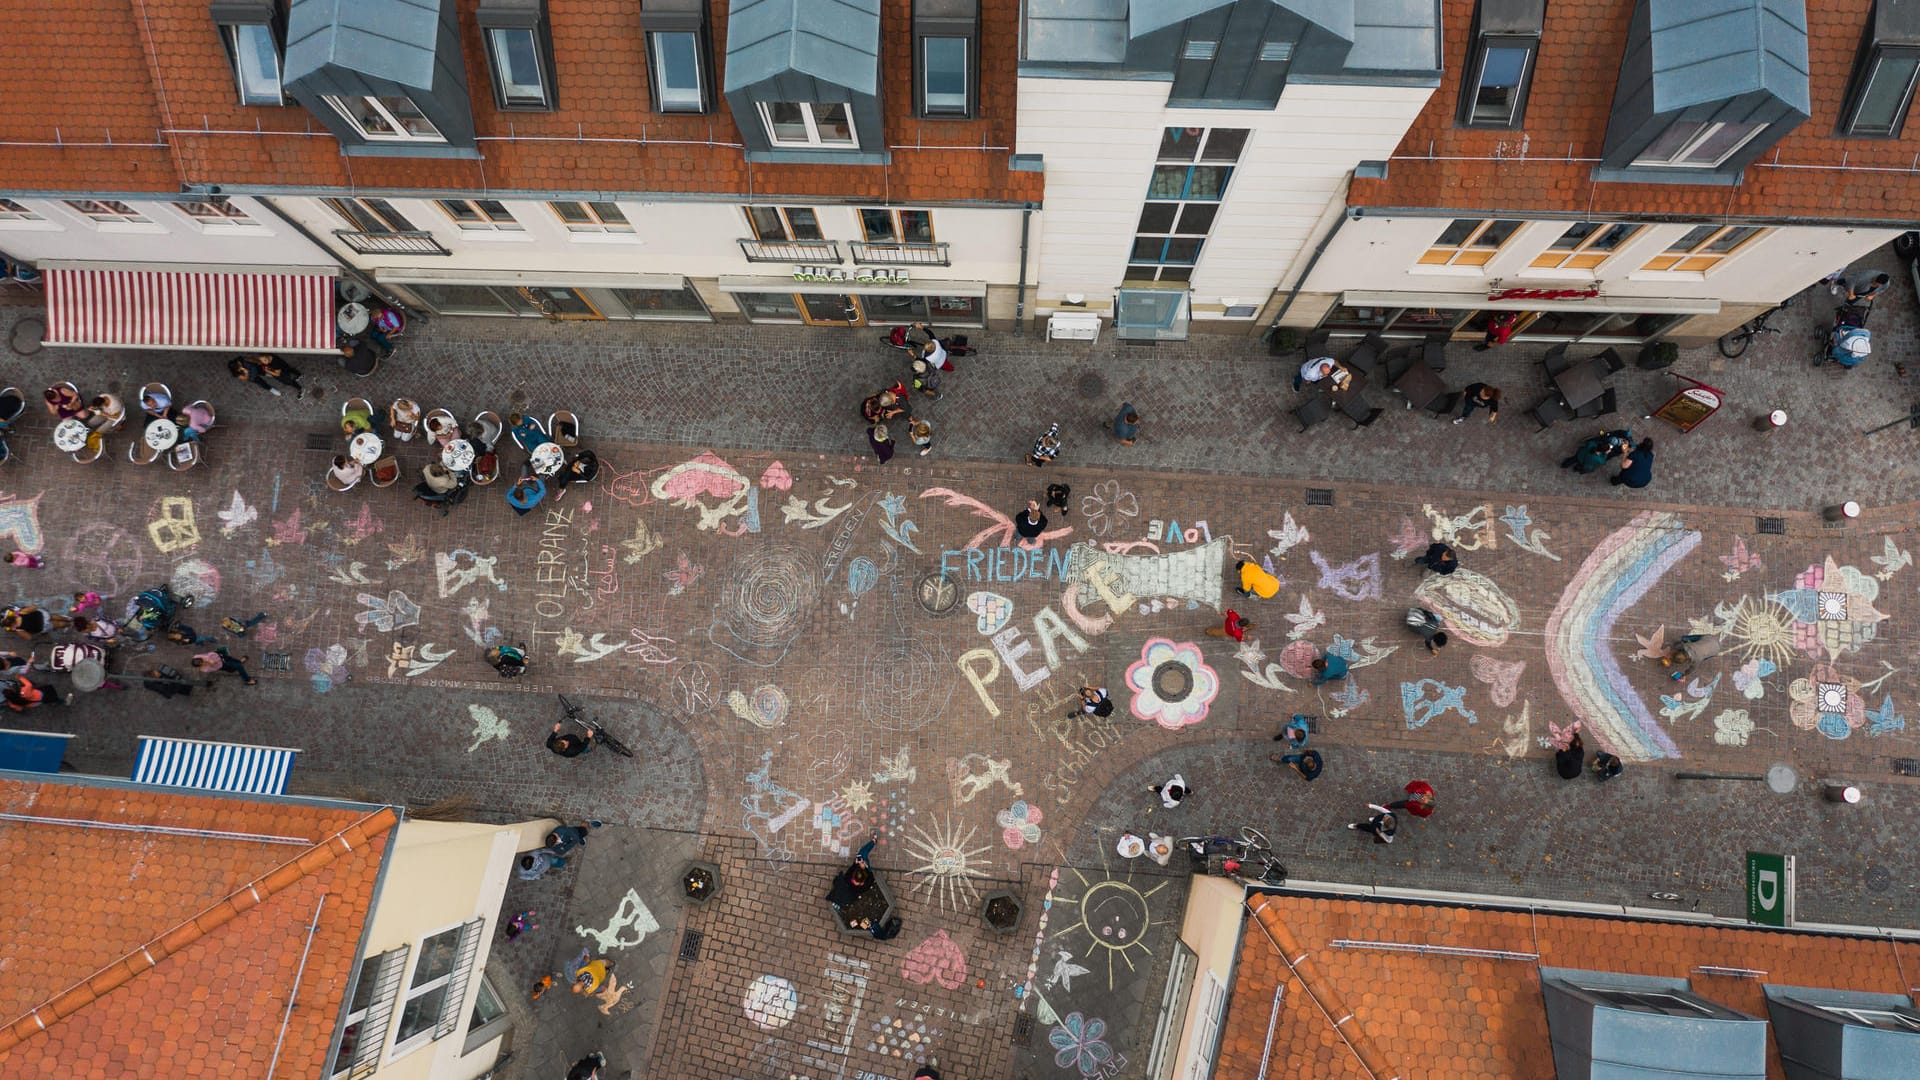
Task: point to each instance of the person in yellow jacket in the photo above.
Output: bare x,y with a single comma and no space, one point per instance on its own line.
1255,581
589,977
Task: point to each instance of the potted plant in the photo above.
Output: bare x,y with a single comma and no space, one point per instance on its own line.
700,882
1001,912
1658,354
1282,341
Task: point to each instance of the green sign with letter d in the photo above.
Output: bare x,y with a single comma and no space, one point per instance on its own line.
1769,889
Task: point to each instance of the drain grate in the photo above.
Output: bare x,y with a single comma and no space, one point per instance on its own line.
277,661
937,593
690,945
322,440
1319,496
1022,1027
1091,385
1771,526
1906,766
1879,879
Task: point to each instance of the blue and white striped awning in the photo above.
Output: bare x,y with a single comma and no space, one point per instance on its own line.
213,766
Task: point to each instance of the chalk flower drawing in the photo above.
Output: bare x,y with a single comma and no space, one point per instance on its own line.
1106,506
1828,702
1077,1044
1172,684
1832,607
1019,824
1732,727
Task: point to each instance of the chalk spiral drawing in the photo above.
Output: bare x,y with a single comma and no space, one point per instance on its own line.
902,687
764,604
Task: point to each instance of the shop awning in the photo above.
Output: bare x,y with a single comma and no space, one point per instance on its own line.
178,309
212,766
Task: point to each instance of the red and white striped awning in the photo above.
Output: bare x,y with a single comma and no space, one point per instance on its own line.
171,309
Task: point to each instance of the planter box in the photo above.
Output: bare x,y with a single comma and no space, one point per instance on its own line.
866,906
706,894
997,906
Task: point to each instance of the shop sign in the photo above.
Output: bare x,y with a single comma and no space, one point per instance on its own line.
1769,889
866,275
1545,294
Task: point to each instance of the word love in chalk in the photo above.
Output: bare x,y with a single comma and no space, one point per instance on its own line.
1171,532
1005,564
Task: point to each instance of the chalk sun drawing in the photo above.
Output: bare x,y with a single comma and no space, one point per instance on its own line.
948,863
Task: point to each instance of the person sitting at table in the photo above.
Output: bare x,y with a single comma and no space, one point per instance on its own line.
359,356
346,471
1324,367
108,413
355,421
582,470
65,403
194,421
440,478
156,404
442,430
526,431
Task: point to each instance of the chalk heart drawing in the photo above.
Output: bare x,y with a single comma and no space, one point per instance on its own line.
20,522
392,613
937,959
630,925
708,485
776,478
771,1002
487,725
1172,684
174,529
991,611
1501,676
238,515
1474,608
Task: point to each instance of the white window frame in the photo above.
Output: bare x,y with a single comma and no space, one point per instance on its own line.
399,132
107,215
596,223
236,53
483,221
217,213
1678,159
654,57
1207,1018
14,210
813,139
965,108
408,991
1860,1014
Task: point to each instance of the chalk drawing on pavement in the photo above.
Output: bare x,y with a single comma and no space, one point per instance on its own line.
1115,922
764,604
172,529
629,926
237,516
487,725
948,863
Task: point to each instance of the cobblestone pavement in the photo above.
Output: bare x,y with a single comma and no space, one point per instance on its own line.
773,631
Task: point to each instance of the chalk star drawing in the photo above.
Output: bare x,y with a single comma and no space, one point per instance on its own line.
390,614
1357,580
858,795
947,863
1064,969
632,915
486,725
1426,699
1517,519
238,515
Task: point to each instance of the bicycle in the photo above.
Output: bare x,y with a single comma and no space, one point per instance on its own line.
1733,343
1224,856
600,734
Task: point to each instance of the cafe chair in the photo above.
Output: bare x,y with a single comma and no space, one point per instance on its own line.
1434,350
1613,360
1399,361
403,419
90,453
184,455
486,468
334,483
1604,405
1555,361
140,453
69,386
1367,420
1316,410
202,407
1446,404
355,404
486,430
384,472
564,428
155,387
1550,412
1364,358
1317,343
442,428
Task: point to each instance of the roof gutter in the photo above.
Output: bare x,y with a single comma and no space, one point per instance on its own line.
1313,261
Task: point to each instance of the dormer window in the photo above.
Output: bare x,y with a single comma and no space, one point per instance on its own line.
395,118
253,48
1499,69
1884,72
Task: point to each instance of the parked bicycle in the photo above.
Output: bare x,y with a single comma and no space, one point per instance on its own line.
599,734
1248,859
1733,343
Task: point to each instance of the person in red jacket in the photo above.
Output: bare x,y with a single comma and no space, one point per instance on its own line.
1234,627
1419,801
1499,329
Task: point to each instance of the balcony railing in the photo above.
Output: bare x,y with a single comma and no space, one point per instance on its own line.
791,251
391,243
900,254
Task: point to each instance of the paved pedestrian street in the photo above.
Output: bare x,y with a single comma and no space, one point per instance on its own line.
806,650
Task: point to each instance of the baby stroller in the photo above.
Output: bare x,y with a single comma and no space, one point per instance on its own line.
1848,345
154,610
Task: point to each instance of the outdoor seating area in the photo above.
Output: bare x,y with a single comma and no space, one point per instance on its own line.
459,457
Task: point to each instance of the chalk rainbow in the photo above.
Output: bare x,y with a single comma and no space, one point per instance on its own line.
1580,651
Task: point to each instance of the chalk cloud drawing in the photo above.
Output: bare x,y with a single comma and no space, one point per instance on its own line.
394,612
714,489
766,708
1357,580
1426,699
237,516
1732,727
455,570
991,611
971,774
1078,1044
1740,560
1832,608
1475,609
1517,521
487,725
1172,684
1019,824
764,604
172,530
949,864
1890,563
936,959
629,926
1501,676
1196,574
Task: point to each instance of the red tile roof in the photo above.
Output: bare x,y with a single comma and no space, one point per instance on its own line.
1812,173
1367,1014
602,83
135,952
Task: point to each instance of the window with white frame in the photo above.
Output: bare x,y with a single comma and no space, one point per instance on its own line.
777,223
1190,178
1884,1019
591,217
13,211
385,118
436,988
1585,245
1703,247
369,1009
806,123
370,215
479,214
1696,144
214,211
255,56
679,83
1213,1008
107,211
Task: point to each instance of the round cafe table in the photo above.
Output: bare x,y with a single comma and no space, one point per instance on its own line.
457,455
547,458
162,434
353,319
70,434
365,448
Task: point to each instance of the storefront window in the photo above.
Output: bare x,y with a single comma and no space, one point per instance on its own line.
775,306
1346,317
896,309
471,299
1564,323
681,303
1427,320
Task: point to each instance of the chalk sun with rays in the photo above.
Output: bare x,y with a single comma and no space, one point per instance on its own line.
948,864
1116,918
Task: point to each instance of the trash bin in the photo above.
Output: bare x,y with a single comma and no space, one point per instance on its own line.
1841,792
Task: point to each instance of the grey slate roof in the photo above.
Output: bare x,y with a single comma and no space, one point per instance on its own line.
835,41
386,39
1401,36
1713,50
1146,16
1076,31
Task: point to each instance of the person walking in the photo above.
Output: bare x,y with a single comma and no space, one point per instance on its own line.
1057,496
1863,294
564,838
1329,667
1255,581
1499,329
882,443
1172,791
1094,701
219,659
1383,824
921,433
1308,763
1126,424
1636,468
1233,627
1419,801
1479,396
1430,628
926,378
1440,559
1031,522
1046,447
